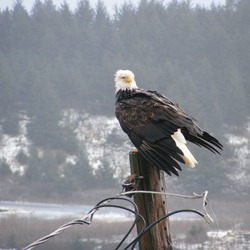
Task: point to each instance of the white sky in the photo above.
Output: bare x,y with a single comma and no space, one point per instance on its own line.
109,3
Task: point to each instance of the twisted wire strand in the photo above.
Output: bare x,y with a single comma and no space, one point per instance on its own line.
84,220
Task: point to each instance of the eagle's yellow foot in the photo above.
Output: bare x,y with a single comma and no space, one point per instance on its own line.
134,151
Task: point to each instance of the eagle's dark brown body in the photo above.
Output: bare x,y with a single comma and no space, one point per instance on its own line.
150,120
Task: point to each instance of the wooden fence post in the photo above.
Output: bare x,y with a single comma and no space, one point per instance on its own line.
151,206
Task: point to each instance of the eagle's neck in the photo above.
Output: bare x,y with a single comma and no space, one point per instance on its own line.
124,94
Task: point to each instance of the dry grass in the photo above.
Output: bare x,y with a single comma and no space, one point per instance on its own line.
20,232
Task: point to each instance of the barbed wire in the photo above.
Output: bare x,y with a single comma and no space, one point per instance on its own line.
106,203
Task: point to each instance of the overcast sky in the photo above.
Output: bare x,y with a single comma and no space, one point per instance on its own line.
109,3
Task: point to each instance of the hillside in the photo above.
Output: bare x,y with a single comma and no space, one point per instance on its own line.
58,129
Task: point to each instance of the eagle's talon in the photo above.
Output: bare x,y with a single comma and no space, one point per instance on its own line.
134,151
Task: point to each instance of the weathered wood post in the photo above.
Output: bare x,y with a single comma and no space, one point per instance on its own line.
151,206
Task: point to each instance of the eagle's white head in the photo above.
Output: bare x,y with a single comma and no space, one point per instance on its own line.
125,80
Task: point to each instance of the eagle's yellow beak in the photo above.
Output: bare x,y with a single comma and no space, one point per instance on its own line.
127,79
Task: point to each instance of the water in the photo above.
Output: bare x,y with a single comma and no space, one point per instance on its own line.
56,211
41,210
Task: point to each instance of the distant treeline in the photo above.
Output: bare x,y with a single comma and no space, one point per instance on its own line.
54,58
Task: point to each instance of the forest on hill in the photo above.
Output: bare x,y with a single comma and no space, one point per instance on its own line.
54,59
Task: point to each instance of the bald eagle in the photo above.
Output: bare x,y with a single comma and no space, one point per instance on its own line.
158,127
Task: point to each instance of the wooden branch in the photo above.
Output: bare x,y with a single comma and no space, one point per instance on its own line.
151,206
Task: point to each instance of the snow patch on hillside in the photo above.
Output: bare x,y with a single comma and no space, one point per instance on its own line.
239,143
11,146
106,146
101,138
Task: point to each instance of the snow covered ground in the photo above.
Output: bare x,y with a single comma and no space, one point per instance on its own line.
105,145
100,138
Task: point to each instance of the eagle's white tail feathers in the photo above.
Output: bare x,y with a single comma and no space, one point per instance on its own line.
181,144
